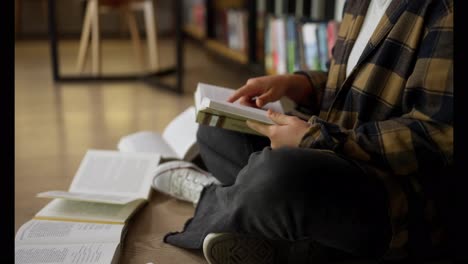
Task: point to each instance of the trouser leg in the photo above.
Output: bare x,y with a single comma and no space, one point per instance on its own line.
295,194
226,152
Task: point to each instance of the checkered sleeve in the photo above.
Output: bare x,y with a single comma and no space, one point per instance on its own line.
318,81
422,137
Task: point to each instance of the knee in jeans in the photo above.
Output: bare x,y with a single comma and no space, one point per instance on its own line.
271,176
278,167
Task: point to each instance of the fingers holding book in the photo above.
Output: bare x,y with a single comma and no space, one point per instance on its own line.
286,132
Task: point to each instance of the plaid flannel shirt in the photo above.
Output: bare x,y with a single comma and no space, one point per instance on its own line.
394,112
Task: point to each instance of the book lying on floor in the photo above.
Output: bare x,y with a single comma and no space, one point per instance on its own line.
213,109
41,241
178,139
108,187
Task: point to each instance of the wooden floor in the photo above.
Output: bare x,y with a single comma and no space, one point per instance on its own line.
56,123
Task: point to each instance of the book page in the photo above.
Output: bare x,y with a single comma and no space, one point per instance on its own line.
146,141
221,94
214,92
115,173
181,134
235,111
61,209
58,232
214,97
89,197
88,253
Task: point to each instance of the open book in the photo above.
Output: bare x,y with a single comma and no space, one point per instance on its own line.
178,139
108,187
213,109
40,241
86,224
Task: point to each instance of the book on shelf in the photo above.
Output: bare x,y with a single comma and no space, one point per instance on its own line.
278,46
311,52
194,15
338,12
237,29
268,46
212,109
260,29
178,139
317,9
108,187
280,28
322,45
221,26
332,34
300,53
199,14
44,241
292,56
300,38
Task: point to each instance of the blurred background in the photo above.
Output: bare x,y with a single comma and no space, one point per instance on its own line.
111,75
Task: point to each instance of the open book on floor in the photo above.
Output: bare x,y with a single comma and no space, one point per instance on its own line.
42,241
87,223
212,109
178,139
108,187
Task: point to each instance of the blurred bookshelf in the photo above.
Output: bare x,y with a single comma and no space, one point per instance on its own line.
194,32
270,36
224,50
194,18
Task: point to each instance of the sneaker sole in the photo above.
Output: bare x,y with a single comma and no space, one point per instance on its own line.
236,249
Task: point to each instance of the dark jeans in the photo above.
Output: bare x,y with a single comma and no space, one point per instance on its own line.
286,194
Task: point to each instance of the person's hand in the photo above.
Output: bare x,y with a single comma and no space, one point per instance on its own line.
287,132
261,90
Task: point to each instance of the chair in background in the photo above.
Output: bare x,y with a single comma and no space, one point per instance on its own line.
126,8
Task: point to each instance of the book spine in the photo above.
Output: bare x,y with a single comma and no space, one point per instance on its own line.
260,29
231,23
291,45
339,5
224,122
309,33
274,45
318,10
323,46
269,68
281,45
332,30
301,63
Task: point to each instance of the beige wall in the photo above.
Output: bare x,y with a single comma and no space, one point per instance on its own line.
69,17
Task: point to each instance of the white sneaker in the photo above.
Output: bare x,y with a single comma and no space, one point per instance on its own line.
182,180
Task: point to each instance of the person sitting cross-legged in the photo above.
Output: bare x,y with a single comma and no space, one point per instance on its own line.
357,178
